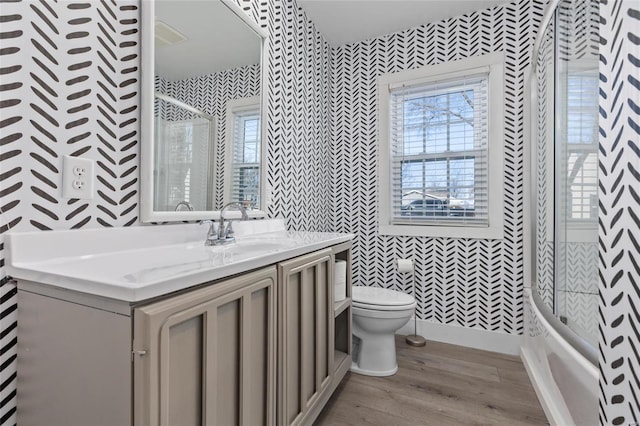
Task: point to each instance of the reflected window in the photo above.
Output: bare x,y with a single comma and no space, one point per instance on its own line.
581,144
245,175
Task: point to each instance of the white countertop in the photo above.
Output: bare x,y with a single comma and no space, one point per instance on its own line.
138,263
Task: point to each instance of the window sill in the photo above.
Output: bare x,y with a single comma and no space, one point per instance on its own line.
484,233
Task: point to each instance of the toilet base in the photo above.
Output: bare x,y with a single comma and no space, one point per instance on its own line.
376,353
355,369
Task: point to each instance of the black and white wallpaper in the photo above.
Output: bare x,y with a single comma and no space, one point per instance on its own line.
70,83
466,282
70,86
298,149
619,224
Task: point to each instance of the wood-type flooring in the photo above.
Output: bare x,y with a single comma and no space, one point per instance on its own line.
441,385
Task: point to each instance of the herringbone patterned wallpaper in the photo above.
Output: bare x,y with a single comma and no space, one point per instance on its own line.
298,146
70,83
619,233
618,271
70,77
465,282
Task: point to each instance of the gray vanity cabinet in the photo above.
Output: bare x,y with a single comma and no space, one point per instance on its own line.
263,347
74,360
208,356
305,336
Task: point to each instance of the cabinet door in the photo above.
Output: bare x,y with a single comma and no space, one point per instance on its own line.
305,335
207,357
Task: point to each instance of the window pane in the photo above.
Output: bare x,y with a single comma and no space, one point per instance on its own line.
435,176
461,136
246,157
438,123
412,175
248,184
251,129
250,141
440,140
463,181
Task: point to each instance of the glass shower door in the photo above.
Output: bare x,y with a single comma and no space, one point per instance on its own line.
576,168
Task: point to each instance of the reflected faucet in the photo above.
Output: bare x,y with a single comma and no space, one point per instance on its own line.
184,203
225,233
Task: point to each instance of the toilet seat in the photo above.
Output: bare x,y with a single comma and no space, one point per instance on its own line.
381,299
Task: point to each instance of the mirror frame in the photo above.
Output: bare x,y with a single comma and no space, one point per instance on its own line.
147,126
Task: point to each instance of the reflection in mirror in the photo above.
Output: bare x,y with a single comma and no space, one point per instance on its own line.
206,61
243,159
185,140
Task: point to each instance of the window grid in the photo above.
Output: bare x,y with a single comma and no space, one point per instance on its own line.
438,153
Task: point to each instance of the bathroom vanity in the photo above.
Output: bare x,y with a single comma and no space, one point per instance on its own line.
147,326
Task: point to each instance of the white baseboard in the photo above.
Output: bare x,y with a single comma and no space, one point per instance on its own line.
469,337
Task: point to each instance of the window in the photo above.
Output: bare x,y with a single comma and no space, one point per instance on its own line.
441,138
243,176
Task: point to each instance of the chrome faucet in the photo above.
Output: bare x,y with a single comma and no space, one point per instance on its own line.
225,234
212,234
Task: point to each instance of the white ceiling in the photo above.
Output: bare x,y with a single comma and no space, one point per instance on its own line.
217,39
347,21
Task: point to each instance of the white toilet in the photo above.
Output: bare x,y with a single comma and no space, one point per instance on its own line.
377,314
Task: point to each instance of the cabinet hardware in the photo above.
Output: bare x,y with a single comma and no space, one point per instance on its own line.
141,352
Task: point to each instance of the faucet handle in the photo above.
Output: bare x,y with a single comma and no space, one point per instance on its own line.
229,232
211,233
207,222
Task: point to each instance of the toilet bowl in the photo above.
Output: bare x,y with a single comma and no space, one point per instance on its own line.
377,314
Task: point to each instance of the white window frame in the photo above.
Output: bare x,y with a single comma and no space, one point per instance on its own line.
494,63
236,106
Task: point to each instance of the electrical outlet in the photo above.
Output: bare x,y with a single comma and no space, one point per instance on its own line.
79,171
77,178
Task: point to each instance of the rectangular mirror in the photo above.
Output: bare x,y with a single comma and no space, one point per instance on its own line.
202,77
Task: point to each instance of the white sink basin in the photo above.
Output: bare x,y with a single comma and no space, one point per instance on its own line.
246,246
138,263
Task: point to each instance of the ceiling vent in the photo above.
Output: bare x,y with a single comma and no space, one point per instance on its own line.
166,35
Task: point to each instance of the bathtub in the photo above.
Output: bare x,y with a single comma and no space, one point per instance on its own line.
565,381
